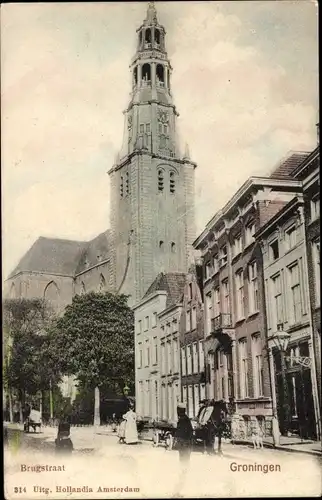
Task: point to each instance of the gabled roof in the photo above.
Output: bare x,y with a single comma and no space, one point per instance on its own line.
172,283
51,255
287,167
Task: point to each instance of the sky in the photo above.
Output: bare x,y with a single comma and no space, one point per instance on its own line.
245,83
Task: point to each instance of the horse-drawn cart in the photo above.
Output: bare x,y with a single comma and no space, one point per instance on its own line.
33,420
163,433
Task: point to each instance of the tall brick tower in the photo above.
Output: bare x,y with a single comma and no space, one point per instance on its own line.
152,185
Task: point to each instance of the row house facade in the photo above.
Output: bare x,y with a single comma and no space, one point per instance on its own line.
236,357
282,240
157,348
309,173
193,381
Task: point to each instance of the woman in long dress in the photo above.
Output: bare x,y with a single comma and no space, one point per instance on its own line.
131,432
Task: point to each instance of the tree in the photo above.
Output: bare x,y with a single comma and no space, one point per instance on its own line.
95,342
29,364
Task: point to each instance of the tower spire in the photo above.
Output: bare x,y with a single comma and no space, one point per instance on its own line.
151,15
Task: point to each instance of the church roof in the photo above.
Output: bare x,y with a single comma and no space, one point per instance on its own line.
172,283
63,257
51,255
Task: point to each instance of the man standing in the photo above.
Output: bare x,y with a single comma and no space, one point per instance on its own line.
183,436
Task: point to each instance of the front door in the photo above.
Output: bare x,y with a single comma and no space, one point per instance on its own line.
302,420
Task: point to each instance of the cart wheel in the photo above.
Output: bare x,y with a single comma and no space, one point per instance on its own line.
156,438
169,442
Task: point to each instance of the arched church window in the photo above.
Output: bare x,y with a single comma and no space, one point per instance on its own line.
51,292
13,291
172,183
161,245
160,180
82,289
146,74
173,247
148,38
102,284
140,38
168,78
121,187
135,75
160,75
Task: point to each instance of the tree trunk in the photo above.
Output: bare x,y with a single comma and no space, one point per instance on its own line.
10,406
51,403
97,418
40,403
20,411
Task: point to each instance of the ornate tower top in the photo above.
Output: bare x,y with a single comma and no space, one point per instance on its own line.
151,15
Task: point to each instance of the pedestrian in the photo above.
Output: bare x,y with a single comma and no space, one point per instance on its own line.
183,437
131,432
121,432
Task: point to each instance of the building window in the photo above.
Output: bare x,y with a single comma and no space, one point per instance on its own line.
172,183
195,357
274,250
208,313
290,238
201,357
190,291
139,326
161,245
253,302
127,183
249,234
140,355
188,321
315,208
183,361
141,128
223,256
216,302
189,360
148,128
316,266
190,401
216,263
154,320
244,392
196,399
257,366
277,302
155,350
146,323
239,280
220,374
176,355
147,353
160,180
208,270
226,298
237,245
202,392
193,318
296,305
169,357
121,187
163,360
174,325
141,398
173,247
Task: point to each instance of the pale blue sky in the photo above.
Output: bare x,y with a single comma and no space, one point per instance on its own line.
245,83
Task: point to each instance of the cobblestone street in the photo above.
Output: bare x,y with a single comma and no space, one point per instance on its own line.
99,461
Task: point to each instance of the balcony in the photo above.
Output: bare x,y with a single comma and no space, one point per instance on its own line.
221,322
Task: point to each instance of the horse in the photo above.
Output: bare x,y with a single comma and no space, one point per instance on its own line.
213,423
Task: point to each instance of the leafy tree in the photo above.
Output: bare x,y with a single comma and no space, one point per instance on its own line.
95,342
29,363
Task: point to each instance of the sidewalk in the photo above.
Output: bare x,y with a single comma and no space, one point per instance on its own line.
289,444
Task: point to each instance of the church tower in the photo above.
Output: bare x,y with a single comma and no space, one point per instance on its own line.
152,185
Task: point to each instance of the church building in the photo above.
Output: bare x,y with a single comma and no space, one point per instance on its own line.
152,200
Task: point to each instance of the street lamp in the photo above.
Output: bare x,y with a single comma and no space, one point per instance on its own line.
281,340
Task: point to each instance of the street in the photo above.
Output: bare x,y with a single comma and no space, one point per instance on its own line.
99,462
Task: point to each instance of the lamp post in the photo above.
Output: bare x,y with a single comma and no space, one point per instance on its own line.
281,340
